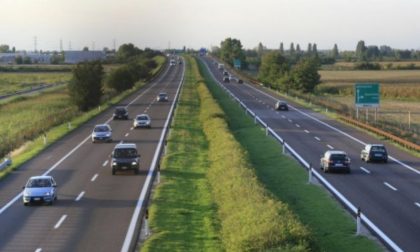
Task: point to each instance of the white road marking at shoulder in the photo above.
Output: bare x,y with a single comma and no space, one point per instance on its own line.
330,147
94,177
105,163
317,138
365,170
283,116
417,204
306,131
38,250
80,196
60,221
390,186
297,125
126,134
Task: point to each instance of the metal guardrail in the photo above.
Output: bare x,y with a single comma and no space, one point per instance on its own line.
286,147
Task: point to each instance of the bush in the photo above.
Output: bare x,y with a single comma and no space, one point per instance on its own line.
367,66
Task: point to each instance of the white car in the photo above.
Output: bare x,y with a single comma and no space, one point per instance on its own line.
40,189
142,121
102,132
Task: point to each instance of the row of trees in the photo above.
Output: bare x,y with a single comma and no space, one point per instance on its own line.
89,83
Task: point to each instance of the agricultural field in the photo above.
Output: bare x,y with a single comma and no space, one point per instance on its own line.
386,65
12,82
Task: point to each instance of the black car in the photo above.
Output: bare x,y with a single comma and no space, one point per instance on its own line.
374,152
120,113
335,160
240,81
125,157
281,105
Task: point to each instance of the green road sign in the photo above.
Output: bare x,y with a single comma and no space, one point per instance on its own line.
237,63
366,94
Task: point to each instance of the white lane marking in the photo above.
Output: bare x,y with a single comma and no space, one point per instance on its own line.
141,200
330,147
417,204
277,112
290,121
38,250
80,196
390,186
297,125
17,197
317,138
49,157
126,134
60,221
306,131
94,177
105,163
283,116
131,128
365,170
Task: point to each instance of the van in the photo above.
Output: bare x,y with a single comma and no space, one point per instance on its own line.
125,157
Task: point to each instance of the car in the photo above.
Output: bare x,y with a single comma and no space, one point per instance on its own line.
120,113
142,121
240,81
226,79
125,157
281,105
40,189
232,78
101,133
180,62
225,73
335,160
172,62
374,152
220,66
162,96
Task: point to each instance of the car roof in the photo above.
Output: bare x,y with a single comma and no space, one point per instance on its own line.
126,146
142,115
101,125
41,177
335,152
375,145
120,107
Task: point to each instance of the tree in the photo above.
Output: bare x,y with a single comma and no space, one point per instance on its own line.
231,49
309,50
85,49
292,48
361,51
121,79
334,52
274,66
127,51
4,49
19,60
304,75
27,60
298,49
85,87
260,49
281,48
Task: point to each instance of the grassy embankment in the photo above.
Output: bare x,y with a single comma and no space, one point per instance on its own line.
12,82
203,155
48,112
332,229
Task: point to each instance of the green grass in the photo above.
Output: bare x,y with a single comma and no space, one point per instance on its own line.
12,82
183,216
331,227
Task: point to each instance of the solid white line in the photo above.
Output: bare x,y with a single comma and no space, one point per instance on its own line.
38,250
329,146
417,204
94,177
297,125
126,134
105,163
317,138
390,186
60,221
307,131
80,196
365,170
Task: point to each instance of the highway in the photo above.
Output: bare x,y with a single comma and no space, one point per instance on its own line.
388,194
94,208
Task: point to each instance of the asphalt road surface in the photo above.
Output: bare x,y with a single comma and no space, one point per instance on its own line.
388,194
94,208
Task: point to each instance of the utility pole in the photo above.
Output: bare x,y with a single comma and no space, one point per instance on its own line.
35,43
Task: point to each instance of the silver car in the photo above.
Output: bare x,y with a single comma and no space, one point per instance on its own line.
102,132
40,189
142,121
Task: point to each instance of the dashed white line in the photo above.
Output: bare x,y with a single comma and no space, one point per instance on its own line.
365,170
306,131
297,125
126,134
105,163
390,186
283,116
417,204
80,196
131,128
289,120
38,250
330,147
317,138
94,177
60,221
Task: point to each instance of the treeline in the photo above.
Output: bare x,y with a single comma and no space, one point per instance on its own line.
89,85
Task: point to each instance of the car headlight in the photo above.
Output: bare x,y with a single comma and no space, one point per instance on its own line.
26,194
47,194
134,163
114,163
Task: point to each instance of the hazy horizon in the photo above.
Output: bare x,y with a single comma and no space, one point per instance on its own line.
161,24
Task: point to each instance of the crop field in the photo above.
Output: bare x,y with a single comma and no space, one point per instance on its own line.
384,65
12,82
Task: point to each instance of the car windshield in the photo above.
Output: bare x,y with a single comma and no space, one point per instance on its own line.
101,129
125,153
378,149
120,110
162,95
142,118
341,157
33,183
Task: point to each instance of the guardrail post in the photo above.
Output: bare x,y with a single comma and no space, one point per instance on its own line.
45,139
255,119
146,223
69,125
284,148
358,222
158,174
310,173
266,130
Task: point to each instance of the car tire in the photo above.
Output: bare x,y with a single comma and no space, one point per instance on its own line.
113,171
137,171
26,204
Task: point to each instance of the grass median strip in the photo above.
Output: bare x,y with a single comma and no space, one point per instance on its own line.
331,228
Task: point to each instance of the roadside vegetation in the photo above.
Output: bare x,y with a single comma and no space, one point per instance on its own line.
330,227
12,82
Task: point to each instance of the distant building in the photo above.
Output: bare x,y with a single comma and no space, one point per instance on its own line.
74,57
36,58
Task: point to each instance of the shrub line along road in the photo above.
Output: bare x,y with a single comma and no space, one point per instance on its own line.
94,208
388,194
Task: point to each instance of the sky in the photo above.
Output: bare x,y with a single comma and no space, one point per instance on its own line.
162,24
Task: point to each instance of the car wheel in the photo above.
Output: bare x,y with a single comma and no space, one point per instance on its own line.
113,171
25,203
137,171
